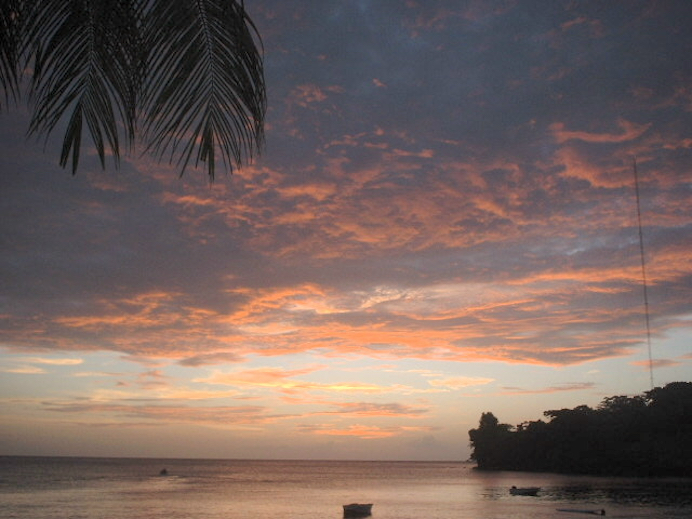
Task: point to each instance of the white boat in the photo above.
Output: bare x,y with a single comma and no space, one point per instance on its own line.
524,491
357,510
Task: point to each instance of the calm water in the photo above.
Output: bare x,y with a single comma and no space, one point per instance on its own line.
88,488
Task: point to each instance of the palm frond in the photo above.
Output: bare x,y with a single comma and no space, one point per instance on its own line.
204,92
84,66
10,46
190,69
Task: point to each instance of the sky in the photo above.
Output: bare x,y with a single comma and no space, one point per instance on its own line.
443,222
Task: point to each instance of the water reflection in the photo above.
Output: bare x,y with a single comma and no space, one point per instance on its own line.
125,489
640,492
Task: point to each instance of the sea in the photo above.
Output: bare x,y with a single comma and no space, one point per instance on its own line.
117,488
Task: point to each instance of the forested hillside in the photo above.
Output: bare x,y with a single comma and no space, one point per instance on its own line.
647,435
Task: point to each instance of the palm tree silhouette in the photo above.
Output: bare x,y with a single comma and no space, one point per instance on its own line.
184,76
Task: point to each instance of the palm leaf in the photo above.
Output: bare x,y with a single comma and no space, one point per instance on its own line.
10,46
85,65
204,92
191,67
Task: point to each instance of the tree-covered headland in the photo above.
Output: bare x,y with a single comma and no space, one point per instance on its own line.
646,435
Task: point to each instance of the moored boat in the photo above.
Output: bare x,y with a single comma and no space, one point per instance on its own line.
575,511
524,491
357,510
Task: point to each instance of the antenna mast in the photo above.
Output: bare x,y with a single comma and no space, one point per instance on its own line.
641,253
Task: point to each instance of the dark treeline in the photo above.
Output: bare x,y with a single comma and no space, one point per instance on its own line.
648,435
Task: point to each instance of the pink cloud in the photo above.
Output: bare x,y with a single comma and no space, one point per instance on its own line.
364,432
574,386
283,380
216,415
377,410
656,363
630,131
460,382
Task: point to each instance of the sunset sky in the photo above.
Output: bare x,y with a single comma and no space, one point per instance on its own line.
443,222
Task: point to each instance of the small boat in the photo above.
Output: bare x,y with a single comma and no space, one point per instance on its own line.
357,510
524,491
592,512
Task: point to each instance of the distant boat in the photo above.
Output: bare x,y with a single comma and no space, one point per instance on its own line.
524,491
357,510
592,512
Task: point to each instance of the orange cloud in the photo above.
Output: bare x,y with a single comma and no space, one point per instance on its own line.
219,416
146,309
364,432
630,131
275,378
307,94
24,370
260,301
575,386
359,209
460,382
579,165
656,363
377,410
52,362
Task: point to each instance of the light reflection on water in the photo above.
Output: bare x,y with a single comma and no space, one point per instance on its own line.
43,488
